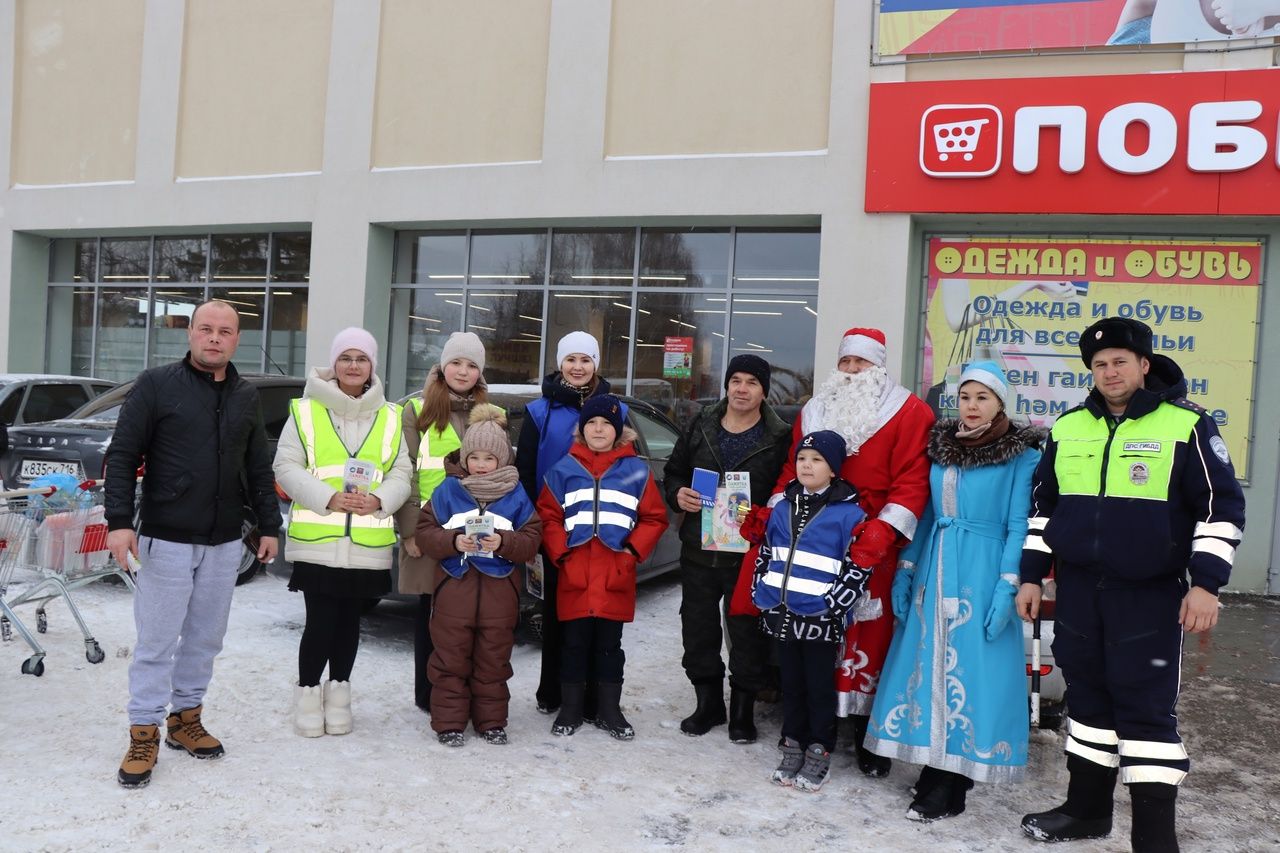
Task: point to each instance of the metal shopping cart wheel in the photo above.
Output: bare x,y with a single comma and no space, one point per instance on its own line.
33,665
93,652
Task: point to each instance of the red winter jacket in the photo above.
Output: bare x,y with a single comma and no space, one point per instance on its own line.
594,580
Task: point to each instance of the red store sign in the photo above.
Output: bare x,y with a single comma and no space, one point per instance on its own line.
1186,143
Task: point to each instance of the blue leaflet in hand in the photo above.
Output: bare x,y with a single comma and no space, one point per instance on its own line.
705,483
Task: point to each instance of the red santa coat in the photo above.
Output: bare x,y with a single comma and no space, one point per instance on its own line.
891,473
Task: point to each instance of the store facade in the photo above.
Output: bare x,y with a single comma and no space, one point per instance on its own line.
685,181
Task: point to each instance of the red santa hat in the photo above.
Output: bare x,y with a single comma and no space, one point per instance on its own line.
864,343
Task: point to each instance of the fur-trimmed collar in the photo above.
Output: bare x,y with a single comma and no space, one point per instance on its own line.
945,450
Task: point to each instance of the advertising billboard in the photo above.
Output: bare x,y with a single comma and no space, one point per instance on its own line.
920,28
1023,302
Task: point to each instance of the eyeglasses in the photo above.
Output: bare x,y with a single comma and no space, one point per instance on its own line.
347,360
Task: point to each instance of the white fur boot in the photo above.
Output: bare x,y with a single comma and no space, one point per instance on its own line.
308,711
337,707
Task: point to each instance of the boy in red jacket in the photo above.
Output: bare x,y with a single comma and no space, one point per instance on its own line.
601,515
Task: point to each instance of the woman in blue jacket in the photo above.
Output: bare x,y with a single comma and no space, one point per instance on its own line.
546,435
953,693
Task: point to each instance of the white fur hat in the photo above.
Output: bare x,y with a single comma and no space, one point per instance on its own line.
864,343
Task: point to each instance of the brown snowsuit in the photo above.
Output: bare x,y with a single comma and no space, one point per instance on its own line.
473,621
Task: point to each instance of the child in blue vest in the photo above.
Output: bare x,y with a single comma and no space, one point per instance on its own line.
601,515
806,585
477,594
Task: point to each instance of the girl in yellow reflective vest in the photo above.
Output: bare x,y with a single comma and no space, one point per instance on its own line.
433,426
342,461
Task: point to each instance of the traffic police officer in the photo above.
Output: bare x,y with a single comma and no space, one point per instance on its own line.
1135,487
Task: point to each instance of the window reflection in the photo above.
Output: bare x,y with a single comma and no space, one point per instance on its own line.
239,257
694,322
781,330
421,321
180,258
439,257
290,257
126,260
509,322
121,333
171,311
595,257
685,257
288,339
250,304
508,257
605,316
69,331
771,259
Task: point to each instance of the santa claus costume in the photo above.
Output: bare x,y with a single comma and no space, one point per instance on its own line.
886,430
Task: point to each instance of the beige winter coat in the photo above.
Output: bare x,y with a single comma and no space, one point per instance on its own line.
417,575
352,419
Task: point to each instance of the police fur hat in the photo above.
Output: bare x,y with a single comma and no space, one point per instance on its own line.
1117,332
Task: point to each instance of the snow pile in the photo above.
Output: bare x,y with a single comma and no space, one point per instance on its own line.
389,786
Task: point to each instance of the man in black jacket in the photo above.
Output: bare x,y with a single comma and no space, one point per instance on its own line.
198,426
739,433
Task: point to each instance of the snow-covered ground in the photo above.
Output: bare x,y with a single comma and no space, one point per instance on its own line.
389,786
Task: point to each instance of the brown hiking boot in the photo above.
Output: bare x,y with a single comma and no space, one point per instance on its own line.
187,732
144,747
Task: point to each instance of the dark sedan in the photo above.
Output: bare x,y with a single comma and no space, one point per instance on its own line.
76,444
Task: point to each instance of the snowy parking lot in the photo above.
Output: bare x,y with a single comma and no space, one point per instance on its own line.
389,786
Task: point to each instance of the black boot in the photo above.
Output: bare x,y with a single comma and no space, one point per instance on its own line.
1153,817
569,720
609,711
939,794
875,766
1087,811
591,703
710,710
742,721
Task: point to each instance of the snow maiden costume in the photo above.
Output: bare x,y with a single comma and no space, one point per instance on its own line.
953,692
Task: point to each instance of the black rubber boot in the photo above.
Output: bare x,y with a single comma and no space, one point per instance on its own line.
875,766
1087,811
710,710
590,703
609,712
569,720
1153,817
939,794
742,715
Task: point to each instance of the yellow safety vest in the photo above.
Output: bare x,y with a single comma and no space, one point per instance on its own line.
1133,460
433,446
326,457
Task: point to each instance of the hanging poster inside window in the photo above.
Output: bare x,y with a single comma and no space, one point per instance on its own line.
677,358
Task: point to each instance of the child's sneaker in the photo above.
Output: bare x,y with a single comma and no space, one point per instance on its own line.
451,738
496,736
816,769
792,761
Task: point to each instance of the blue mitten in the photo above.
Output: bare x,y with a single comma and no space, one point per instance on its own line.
900,597
1001,610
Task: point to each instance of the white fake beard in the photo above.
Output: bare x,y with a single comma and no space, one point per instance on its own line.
849,403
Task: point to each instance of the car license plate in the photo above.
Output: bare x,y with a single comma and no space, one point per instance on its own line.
32,468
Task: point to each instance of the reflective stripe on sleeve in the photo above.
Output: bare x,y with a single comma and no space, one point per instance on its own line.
1220,529
1037,522
1035,542
1216,547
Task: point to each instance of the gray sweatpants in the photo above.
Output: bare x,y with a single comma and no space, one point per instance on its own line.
180,612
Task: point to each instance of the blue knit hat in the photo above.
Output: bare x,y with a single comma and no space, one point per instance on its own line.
989,374
604,406
827,442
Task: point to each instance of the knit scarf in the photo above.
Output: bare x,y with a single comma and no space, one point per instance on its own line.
583,391
486,488
988,433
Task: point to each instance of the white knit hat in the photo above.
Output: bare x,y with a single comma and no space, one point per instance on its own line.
463,345
353,337
578,342
864,343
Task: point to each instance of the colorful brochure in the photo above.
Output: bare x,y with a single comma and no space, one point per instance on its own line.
721,522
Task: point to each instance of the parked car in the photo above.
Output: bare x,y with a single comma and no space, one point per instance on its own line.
656,438
1053,687
28,398
77,443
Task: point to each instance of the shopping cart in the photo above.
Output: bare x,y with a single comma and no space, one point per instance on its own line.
52,541
958,137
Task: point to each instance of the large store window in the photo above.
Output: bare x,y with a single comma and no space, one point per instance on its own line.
670,306
120,305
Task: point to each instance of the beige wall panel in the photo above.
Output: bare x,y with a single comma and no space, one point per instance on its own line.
254,78
1045,65
460,82
719,76
76,90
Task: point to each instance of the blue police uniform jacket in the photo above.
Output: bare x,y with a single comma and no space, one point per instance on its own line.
453,505
557,425
606,508
799,574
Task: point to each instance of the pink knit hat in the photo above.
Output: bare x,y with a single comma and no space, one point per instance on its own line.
353,337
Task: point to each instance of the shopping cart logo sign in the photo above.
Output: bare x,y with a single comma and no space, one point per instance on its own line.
961,140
